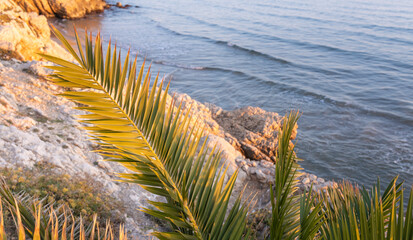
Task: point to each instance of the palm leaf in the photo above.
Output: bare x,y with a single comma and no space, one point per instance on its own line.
353,213
135,127
311,216
41,221
285,223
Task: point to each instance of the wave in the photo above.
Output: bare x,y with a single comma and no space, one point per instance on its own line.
299,90
254,52
251,51
305,44
306,18
177,65
317,96
291,88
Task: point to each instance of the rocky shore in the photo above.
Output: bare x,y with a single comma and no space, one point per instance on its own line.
38,126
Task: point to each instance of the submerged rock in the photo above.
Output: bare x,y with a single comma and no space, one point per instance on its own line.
62,8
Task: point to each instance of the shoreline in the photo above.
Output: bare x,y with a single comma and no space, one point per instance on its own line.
38,126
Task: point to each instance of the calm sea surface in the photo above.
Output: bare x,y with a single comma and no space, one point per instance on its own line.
346,65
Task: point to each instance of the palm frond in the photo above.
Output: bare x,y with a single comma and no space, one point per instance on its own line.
311,215
38,221
285,222
136,128
354,213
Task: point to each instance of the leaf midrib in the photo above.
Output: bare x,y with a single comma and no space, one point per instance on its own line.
168,177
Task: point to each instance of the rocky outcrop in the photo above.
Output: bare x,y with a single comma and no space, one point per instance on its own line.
62,8
23,35
36,126
252,131
232,132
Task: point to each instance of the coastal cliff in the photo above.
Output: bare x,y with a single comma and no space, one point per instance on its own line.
37,126
24,34
62,8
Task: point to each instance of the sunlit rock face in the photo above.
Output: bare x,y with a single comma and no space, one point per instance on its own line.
62,8
251,130
23,35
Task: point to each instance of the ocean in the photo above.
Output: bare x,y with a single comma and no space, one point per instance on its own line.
346,65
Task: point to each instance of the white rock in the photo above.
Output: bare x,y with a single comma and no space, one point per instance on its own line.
306,181
266,171
260,174
245,168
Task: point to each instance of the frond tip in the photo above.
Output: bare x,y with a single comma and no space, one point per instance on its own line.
135,127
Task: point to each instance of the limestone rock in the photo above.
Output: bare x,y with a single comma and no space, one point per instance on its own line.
37,126
251,130
62,8
23,35
306,181
255,131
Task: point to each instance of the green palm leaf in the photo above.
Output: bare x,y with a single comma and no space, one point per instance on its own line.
135,127
285,202
353,213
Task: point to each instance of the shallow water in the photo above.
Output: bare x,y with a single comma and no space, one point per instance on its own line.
346,65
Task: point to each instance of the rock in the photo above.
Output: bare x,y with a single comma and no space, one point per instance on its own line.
251,171
260,174
266,171
266,164
313,177
254,129
245,168
119,5
38,68
24,123
251,130
242,178
253,152
306,181
23,35
5,105
35,126
229,156
62,8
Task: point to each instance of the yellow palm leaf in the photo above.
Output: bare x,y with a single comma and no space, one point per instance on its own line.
130,119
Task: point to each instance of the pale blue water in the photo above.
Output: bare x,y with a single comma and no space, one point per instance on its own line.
346,65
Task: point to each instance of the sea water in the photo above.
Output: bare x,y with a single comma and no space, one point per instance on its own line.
346,65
